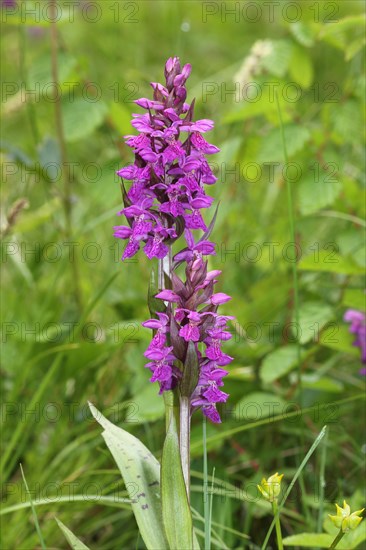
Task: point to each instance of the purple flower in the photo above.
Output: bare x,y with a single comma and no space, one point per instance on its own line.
190,331
161,365
219,298
155,248
168,296
161,327
203,125
211,412
202,145
9,3
358,328
194,250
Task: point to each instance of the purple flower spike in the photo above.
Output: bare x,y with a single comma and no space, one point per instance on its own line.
169,173
166,197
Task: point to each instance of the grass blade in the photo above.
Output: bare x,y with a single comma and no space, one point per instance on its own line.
109,500
12,450
196,445
74,542
322,483
35,517
294,479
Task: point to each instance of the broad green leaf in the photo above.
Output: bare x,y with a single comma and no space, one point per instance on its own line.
330,262
303,33
338,337
278,363
82,117
354,47
148,405
309,540
354,298
263,103
74,542
312,318
277,61
141,473
352,242
40,72
259,405
301,67
343,32
347,119
322,384
314,195
176,511
272,150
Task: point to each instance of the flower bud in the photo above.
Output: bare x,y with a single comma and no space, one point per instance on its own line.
271,487
344,519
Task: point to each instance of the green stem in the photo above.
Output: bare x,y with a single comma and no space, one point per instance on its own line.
206,507
35,517
336,540
276,515
165,268
184,440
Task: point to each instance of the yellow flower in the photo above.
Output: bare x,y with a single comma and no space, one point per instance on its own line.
344,519
271,487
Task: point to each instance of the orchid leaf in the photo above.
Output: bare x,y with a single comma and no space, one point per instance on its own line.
141,473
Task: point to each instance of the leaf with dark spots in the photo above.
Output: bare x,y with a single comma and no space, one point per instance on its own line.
144,467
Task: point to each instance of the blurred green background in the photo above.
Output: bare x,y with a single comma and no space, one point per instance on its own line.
71,311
